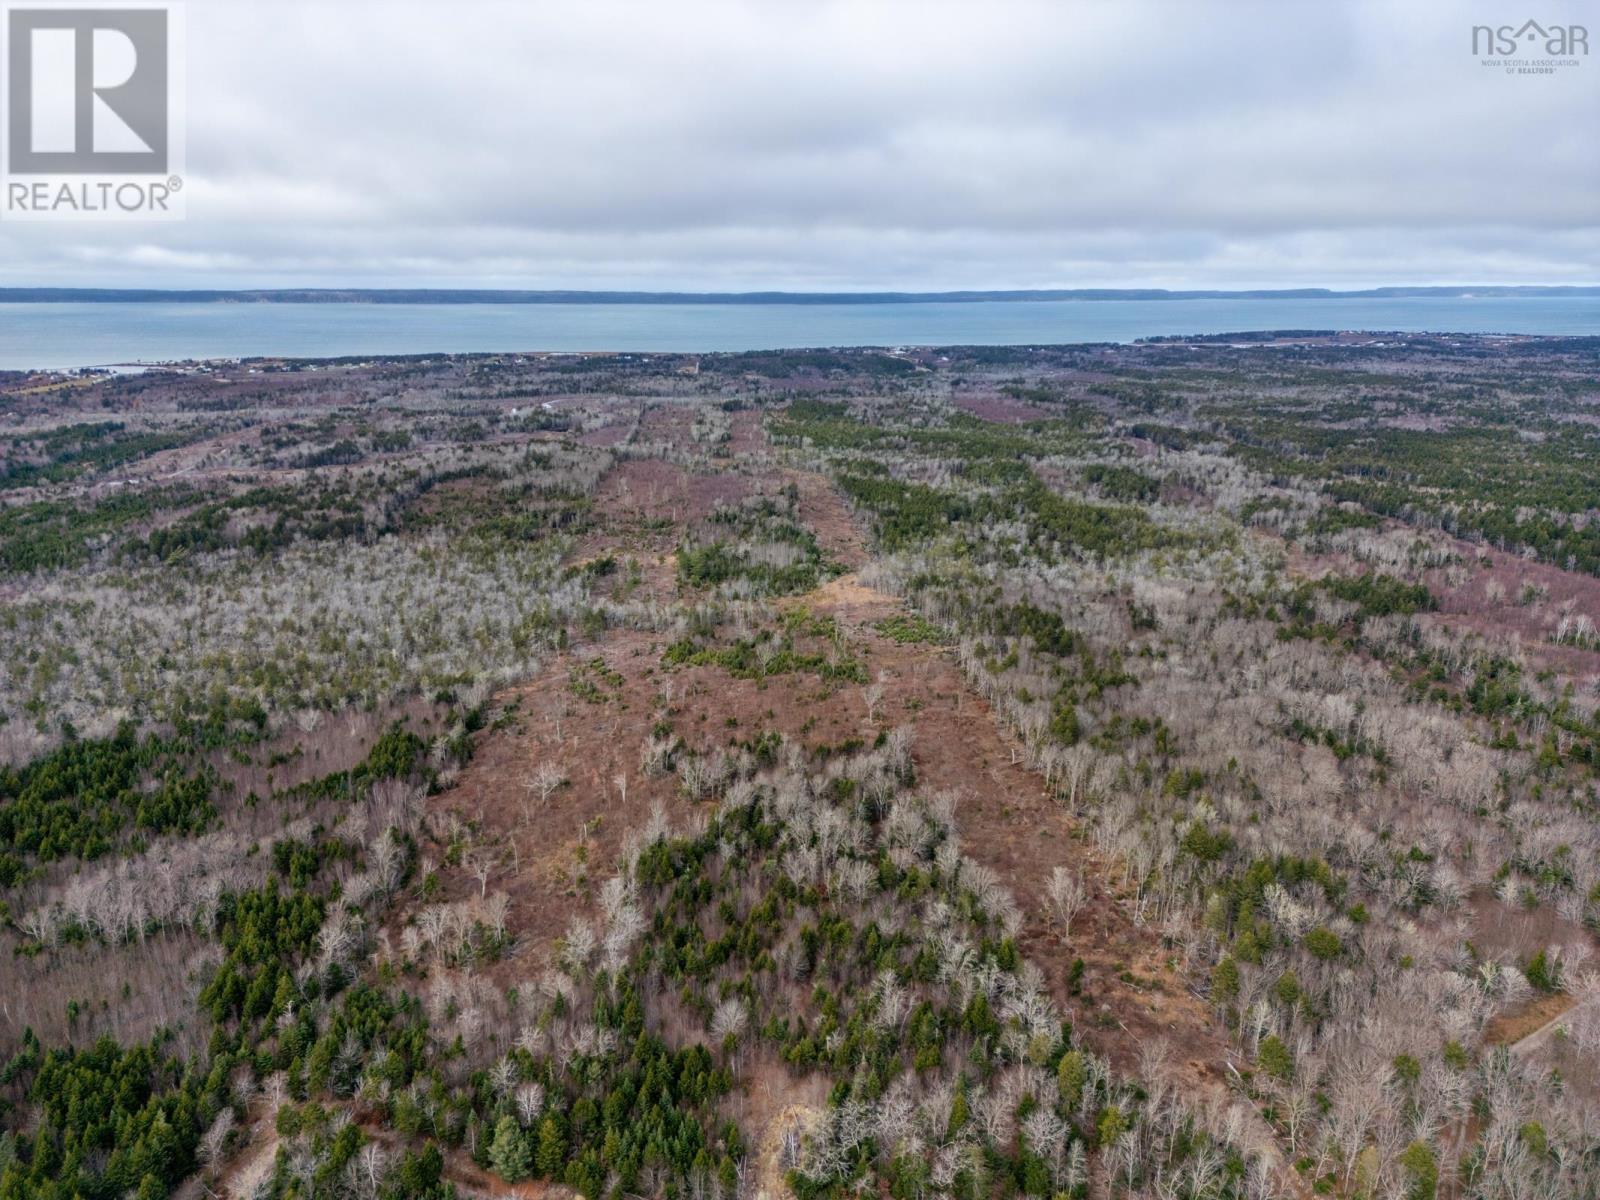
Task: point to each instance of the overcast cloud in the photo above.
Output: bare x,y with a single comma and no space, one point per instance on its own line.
846,146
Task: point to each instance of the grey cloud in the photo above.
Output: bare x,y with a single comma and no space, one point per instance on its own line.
860,145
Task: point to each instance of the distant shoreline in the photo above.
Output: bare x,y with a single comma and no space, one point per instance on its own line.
22,295
163,329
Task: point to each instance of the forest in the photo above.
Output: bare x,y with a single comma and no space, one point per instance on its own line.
1162,771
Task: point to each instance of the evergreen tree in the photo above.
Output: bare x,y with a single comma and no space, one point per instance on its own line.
1070,1077
1422,1171
552,1151
508,1153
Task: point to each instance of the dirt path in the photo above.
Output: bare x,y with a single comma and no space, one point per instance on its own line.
826,514
1131,998
1130,993
1567,1010
1010,823
1512,1027
252,1166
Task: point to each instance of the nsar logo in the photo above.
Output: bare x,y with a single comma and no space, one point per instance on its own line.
1531,48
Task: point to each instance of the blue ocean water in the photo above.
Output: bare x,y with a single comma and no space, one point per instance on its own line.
73,334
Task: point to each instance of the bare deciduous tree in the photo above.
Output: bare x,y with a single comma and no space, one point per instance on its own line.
872,696
1066,894
541,783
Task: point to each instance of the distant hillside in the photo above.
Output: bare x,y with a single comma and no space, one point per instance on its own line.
491,296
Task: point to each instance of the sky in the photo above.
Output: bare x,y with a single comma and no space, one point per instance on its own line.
859,146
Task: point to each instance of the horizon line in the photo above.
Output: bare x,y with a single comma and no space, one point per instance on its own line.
358,294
